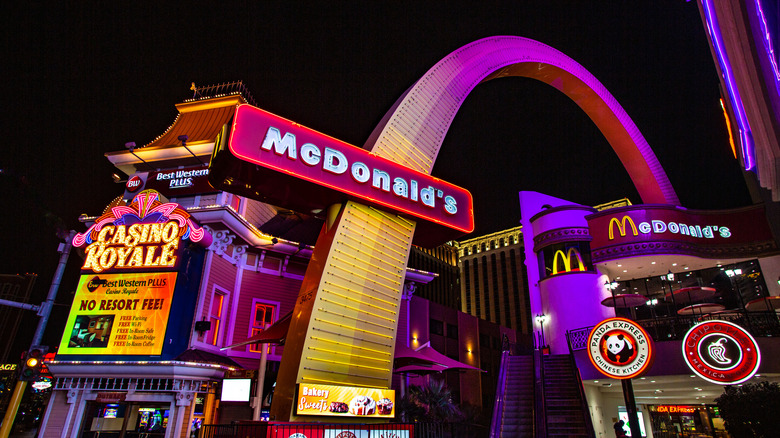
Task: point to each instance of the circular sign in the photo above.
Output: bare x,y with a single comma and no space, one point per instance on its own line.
134,183
721,352
620,348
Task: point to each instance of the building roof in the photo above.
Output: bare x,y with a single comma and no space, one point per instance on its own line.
199,120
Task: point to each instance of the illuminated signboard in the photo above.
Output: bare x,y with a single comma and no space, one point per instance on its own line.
143,235
620,348
345,401
119,314
308,171
311,430
675,409
721,352
651,229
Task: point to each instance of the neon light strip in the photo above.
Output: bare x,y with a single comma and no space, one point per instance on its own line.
736,101
325,350
770,51
362,303
335,267
728,126
344,326
351,337
349,364
391,296
370,265
333,382
344,374
354,318
316,338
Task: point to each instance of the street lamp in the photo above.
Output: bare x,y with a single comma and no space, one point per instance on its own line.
541,318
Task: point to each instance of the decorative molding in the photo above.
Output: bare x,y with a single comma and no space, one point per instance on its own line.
670,247
558,235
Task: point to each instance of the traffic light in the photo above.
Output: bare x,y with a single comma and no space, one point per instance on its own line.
33,361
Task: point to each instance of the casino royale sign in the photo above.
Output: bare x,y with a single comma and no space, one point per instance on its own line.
145,234
312,171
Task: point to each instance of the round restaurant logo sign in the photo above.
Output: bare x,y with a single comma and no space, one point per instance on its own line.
620,348
721,352
134,183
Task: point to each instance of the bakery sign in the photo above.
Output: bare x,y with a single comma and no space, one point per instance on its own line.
721,352
344,401
620,348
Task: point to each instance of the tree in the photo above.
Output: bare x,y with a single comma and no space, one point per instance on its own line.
751,410
429,402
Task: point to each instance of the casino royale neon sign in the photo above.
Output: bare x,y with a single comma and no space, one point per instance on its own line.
145,234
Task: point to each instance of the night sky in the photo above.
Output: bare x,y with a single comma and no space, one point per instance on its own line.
82,80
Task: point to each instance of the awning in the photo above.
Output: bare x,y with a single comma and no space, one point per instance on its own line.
405,356
275,334
441,359
424,360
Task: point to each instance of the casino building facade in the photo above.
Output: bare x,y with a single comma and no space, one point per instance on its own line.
184,303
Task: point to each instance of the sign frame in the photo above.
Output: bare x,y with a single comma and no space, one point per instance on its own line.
634,335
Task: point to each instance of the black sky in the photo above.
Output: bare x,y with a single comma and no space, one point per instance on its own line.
83,79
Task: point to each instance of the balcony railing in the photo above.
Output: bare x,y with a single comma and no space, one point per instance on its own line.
673,328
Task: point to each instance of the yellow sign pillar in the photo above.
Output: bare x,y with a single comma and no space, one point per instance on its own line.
345,319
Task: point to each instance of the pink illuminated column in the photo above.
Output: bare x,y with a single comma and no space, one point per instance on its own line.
562,283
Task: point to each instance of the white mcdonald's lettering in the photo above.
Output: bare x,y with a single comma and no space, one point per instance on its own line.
659,227
567,260
335,162
621,225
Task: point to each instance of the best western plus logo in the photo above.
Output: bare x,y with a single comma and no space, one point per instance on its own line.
626,224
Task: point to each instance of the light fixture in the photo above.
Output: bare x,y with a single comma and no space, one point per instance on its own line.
670,276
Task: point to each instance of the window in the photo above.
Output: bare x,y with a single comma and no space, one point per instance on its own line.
437,327
452,331
215,317
262,318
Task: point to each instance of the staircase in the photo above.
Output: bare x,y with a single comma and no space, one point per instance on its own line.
563,398
517,418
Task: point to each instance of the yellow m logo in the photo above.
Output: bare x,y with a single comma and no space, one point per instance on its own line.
621,226
567,260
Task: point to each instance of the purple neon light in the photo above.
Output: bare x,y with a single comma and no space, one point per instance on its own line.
413,130
770,51
736,101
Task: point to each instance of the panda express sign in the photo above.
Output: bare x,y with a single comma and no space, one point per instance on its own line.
308,171
619,348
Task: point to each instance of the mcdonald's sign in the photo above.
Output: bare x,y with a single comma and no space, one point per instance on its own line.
567,259
621,226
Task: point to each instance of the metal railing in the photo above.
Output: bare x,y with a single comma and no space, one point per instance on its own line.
540,411
383,430
498,407
674,328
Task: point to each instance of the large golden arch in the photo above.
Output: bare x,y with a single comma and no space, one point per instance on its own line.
344,324
412,132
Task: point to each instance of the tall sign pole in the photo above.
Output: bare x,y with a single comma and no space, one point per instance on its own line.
621,349
344,325
44,311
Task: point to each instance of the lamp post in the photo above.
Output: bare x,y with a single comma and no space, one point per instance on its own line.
541,318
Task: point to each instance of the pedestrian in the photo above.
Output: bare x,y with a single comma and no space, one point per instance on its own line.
619,431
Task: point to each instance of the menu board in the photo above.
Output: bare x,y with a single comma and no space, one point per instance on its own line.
345,401
119,314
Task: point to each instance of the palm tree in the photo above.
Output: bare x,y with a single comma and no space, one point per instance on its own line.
429,402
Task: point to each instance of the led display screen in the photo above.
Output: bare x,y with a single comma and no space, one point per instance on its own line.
119,314
345,401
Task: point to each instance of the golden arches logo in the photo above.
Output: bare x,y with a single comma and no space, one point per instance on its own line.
567,257
621,226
